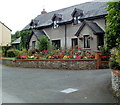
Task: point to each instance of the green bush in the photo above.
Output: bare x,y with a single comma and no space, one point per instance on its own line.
113,64
23,52
115,60
43,43
4,50
10,53
17,52
33,51
105,51
13,53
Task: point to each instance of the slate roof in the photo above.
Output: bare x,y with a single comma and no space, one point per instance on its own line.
94,27
90,9
17,41
38,33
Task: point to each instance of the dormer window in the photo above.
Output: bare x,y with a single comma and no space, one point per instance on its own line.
77,14
55,24
56,19
76,20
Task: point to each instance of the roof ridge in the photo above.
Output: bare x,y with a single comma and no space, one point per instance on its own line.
5,25
64,8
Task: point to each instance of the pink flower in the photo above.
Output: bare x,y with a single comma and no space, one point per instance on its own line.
79,51
78,57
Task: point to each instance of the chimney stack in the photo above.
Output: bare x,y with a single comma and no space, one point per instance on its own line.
43,12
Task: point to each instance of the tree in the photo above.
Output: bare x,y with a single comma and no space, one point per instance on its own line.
113,25
15,36
25,34
43,43
113,33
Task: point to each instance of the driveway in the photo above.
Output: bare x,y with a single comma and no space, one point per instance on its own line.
23,85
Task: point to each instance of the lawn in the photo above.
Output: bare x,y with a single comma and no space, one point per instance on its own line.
8,57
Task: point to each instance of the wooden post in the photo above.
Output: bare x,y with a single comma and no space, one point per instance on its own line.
98,58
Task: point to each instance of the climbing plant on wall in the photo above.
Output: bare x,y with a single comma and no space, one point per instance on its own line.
25,38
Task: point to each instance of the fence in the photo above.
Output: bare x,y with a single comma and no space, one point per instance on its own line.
73,64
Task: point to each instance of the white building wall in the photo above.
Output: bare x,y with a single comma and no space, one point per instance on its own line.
5,35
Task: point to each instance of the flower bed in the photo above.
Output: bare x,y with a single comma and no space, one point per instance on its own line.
61,54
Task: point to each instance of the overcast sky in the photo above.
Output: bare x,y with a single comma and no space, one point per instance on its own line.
16,14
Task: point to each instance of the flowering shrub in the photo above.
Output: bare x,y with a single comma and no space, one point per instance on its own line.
105,53
115,59
61,54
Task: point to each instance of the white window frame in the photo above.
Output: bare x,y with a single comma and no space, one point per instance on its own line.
55,25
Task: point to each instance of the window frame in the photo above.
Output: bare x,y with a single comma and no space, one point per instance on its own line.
86,41
55,43
55,24
33,44
76,20
74,42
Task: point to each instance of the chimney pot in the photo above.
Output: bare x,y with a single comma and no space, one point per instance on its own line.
43,12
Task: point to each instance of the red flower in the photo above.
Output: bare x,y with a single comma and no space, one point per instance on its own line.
105,56
22,57
71,49
78,57
88,52
45,51
61,56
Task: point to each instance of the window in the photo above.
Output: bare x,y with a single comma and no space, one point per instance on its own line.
74,42
56,19
33,44
86,41
55,25
77,20
77,14
56,43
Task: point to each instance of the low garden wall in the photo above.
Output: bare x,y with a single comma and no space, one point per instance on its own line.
70,64
105,64
116,81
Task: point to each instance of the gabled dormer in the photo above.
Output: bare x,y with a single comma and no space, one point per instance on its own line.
76,15
56,18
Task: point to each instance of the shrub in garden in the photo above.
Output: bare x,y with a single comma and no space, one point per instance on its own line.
10,53
23,52
33,51
43,43
13,53
115,60
105,53
4,50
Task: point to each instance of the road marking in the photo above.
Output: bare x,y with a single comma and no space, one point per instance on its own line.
69,90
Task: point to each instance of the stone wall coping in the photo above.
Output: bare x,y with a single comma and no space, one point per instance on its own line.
50,59
117,72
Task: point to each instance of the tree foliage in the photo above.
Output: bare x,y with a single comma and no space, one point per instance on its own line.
15,36
43,43
25,34
113,24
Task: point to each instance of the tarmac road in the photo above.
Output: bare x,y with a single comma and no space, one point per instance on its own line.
23,85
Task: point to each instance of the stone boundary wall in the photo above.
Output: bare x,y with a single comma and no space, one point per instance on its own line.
116,81
70,64
105,65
